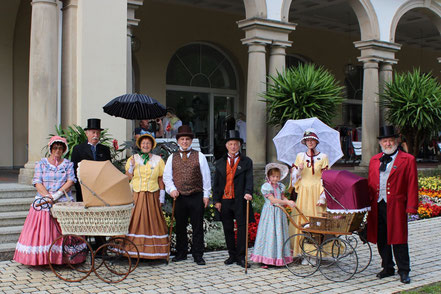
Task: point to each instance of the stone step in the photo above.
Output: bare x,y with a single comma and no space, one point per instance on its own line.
17,204
7,250
10,234
13,191
13,218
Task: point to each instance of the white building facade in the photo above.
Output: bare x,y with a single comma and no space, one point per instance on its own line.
208,59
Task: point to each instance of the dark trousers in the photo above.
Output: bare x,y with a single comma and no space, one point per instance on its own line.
228,214
400,251
190,206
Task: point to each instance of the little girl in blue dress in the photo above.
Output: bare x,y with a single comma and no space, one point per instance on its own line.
273,226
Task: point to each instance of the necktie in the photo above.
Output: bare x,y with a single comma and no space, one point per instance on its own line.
93,151
385,159
184,154
232,159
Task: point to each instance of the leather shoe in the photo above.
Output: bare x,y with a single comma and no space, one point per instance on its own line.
200,261
230,260
179,258
404,278
385,273
242,263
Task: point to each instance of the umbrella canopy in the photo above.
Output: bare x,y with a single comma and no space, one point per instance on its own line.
343,188
288,140
103,184
135,106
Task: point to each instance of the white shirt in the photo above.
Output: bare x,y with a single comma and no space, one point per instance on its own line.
205,171
384,190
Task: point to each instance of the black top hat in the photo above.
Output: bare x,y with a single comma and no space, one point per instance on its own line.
387,132
93,124
233,135
184,130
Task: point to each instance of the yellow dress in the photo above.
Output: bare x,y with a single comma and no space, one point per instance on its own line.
308,188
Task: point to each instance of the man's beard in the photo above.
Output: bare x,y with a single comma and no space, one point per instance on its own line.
389,150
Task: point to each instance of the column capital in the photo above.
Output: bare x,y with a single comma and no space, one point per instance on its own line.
378,51
386,66
266,31
132,5
69,3
54,2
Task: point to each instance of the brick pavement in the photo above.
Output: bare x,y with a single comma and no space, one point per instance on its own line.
215,277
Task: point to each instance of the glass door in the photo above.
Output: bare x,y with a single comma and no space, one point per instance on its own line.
223,120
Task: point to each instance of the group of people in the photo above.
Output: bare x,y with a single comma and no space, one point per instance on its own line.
186,178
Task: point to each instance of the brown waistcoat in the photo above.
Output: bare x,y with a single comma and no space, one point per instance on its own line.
187,174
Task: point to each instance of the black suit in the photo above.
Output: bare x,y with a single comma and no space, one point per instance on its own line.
84,151
234,208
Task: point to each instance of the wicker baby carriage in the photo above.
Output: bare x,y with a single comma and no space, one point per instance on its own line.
326,242
106,211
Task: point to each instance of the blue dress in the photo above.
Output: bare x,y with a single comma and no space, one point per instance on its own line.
272,231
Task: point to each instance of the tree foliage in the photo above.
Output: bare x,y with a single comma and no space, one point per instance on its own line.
413,104
302,92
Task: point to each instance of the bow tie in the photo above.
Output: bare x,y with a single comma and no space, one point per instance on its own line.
385,159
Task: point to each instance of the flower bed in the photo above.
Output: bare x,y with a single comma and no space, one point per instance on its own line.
429,196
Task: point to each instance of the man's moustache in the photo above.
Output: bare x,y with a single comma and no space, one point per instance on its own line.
95,138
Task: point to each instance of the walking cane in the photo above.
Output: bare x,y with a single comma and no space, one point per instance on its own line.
246,236
171,229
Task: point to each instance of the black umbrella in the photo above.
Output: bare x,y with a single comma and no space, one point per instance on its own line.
135,106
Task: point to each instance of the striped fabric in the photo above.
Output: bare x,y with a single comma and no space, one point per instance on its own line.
135,106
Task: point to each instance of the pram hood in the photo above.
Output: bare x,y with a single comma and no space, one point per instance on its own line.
345,192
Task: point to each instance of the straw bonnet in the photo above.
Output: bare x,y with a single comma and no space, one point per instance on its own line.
140,138
281,167
58,139
310,134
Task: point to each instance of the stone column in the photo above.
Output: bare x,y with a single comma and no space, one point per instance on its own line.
43,81
373,52
256,109
132,22
69,64
370,111
385,77
276,64
258,34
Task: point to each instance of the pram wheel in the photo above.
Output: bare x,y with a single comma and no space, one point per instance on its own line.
339,261
76,258
308,261
364,251
130,247
113,263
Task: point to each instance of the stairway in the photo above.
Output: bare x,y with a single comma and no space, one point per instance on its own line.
15,200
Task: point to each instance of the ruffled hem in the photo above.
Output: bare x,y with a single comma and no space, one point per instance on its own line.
271,261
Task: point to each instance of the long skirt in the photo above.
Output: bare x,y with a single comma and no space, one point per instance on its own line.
271,235
39,231
148,229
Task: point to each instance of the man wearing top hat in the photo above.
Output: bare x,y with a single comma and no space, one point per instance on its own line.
187,180
393,190
233,186
90,150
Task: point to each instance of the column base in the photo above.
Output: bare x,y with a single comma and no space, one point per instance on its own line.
26,174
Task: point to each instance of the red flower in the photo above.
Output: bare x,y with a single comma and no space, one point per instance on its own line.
115,144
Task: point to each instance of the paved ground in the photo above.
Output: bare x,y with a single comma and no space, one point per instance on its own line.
215,277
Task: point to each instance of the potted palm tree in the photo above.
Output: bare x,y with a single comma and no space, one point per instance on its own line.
302,92
413,104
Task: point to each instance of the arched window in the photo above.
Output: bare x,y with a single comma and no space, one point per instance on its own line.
202,90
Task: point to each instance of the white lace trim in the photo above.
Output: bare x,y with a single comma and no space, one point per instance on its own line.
45,248
37,249
153,161
349,210
148,236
